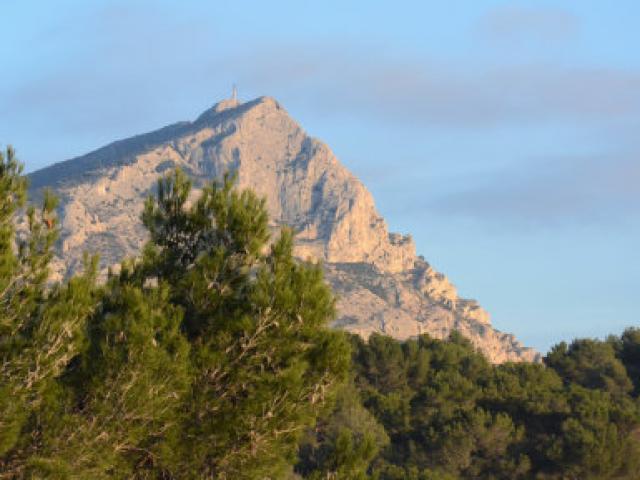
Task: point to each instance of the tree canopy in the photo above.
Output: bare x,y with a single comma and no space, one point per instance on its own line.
449,414
210,357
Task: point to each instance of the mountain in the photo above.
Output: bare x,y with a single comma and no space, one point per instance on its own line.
382,285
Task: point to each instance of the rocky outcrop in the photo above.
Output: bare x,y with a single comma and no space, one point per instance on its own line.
398,304
382,285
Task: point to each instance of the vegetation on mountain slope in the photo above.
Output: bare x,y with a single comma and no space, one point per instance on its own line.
210,357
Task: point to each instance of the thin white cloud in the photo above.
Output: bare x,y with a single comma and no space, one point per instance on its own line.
520,23
169,54
600,189
416,91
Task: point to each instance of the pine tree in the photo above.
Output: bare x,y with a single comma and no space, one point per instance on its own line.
264,362
41,326
206,358
124,394
344,443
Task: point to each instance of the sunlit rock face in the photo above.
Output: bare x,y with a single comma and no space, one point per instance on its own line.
381,284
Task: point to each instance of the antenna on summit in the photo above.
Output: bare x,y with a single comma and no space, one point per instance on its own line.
234,93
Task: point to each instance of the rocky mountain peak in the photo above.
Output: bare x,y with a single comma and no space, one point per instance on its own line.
228,104
382,285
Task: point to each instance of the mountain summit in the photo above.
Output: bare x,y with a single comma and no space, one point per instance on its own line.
382,285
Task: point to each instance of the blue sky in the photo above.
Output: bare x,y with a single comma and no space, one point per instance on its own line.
502,135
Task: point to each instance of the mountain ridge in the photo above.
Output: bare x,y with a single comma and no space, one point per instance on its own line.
382,284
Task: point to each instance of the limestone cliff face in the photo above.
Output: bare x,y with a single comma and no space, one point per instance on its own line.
381,283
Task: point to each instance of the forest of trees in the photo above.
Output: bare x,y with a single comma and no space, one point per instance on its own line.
430,409
210,357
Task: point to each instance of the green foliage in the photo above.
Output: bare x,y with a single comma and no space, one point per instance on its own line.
125,393
627,349
263,363
343,444
206,358
592,364
210,357
40,327
451,415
